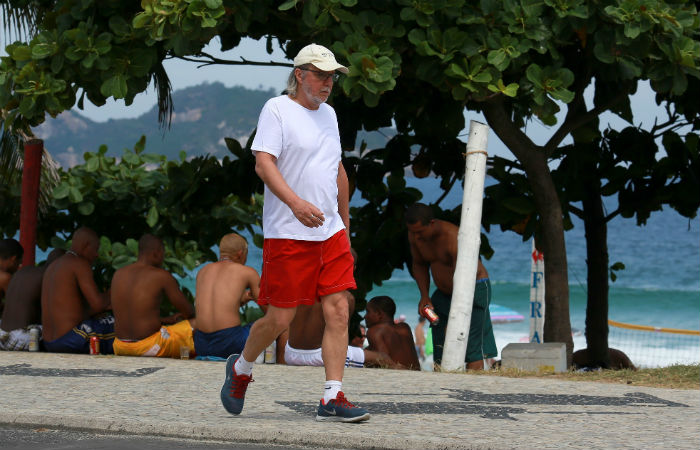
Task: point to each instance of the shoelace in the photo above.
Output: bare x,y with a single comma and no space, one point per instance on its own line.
340,400
239,384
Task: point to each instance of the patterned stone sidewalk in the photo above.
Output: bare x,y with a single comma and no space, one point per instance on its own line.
410,410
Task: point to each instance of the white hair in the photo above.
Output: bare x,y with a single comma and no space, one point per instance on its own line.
292,83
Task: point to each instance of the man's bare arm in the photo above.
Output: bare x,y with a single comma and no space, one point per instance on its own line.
421,273
97,301
305,212
176,296
254,283
4,282
380,359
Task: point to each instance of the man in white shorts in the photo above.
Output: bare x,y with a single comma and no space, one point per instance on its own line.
306,334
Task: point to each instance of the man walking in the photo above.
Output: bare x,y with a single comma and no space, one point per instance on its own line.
306,224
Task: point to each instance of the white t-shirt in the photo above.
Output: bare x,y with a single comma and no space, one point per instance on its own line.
306,144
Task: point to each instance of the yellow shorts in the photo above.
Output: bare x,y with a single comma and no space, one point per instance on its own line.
163,343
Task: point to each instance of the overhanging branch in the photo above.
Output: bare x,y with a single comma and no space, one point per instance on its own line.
573,121
211,60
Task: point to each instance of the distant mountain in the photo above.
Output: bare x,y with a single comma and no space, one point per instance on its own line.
203,116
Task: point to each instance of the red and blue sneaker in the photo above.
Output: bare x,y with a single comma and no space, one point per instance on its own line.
340,410
233,390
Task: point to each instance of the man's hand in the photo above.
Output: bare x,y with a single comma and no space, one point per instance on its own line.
247,296
308,214
422,303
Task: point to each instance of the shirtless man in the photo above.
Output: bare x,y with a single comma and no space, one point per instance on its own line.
71,302
23,305
222,288
434,251
384,335
306,335
137,291
11,253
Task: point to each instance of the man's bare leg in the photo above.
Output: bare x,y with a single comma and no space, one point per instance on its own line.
266,329
334,347
238,370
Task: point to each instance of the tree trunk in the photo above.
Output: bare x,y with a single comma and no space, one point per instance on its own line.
597,262
557,324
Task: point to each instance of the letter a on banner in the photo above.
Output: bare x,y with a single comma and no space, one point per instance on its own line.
536,296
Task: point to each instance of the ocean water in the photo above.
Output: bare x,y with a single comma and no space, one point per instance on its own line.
659,287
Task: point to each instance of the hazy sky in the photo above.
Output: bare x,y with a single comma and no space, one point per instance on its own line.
185,74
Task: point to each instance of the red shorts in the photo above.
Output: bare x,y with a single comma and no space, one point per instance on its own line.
301,272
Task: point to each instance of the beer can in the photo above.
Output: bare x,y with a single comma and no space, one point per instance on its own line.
94,345
430,315
34,340
271,353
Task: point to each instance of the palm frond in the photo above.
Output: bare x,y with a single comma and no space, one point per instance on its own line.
11,164
164,90
10,157
19,22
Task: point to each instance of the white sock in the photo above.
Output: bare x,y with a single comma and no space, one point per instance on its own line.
243,367
332,387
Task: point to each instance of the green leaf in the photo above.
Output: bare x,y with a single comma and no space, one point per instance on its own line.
114,86
534,74
74,195
21,53
61,191
41,51
288,5
152,217
213,4
119,26
142,20
511,90
618,266
86,208
92,164
133,246
140,144
564,95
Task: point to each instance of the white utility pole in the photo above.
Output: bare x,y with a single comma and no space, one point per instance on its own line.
468,242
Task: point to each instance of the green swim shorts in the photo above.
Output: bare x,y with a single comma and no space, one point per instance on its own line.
482,343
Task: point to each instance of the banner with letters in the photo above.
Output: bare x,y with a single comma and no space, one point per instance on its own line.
536,296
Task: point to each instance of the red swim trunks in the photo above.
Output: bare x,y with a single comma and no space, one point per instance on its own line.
300,272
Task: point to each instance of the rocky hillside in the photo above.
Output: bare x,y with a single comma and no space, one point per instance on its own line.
203,116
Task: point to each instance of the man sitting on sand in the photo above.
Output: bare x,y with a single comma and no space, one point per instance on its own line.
306,334
71,304
23,305
10,259
394,339
222,287
137,290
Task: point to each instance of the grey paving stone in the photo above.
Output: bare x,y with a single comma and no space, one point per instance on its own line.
410,410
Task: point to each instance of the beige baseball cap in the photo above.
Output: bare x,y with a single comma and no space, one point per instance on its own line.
320,57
